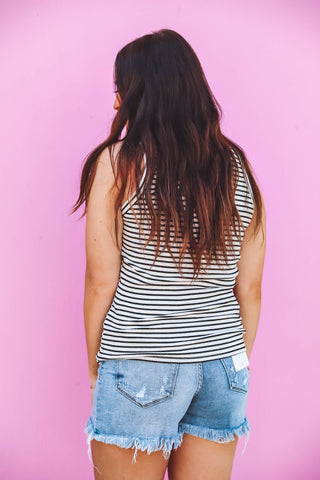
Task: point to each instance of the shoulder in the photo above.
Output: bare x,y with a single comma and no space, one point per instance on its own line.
243,178
108,156
106,165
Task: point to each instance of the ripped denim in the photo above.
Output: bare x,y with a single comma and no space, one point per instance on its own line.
146,405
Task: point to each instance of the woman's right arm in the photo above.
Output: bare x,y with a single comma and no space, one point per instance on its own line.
248,282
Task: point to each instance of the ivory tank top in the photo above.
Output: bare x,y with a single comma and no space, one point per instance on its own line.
158,315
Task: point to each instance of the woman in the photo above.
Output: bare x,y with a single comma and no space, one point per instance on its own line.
175,245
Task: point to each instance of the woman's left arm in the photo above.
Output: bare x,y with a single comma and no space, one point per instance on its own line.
103,257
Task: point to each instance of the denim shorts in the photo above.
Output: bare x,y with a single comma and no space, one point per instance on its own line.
148,405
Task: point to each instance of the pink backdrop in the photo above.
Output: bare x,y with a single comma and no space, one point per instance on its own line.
56,87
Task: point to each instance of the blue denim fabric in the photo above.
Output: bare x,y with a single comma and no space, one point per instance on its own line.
148,405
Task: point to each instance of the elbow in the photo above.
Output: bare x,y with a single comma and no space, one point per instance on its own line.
252,292
96,285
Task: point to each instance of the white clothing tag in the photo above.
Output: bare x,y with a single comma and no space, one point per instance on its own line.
240,360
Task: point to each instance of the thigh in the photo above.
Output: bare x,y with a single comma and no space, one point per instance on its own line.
202,459
112,462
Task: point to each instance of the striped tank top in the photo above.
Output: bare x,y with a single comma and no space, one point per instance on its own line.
158,315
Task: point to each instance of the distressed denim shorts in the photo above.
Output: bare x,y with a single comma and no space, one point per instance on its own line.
148,405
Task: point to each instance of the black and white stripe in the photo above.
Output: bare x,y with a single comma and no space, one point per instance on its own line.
158,315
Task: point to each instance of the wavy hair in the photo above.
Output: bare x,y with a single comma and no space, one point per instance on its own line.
173,118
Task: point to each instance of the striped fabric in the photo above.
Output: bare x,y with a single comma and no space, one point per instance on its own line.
158,315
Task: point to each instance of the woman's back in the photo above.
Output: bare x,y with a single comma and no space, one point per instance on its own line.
160,315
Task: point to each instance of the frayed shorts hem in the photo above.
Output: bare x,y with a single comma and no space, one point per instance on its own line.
224,435
152,444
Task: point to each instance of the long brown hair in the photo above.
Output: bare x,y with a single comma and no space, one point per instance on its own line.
173,118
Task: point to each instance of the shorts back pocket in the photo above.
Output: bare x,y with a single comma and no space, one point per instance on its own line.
238,380
146,383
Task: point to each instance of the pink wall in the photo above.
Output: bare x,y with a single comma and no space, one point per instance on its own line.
56,87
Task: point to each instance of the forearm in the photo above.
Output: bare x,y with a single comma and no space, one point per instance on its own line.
97,301
250,305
